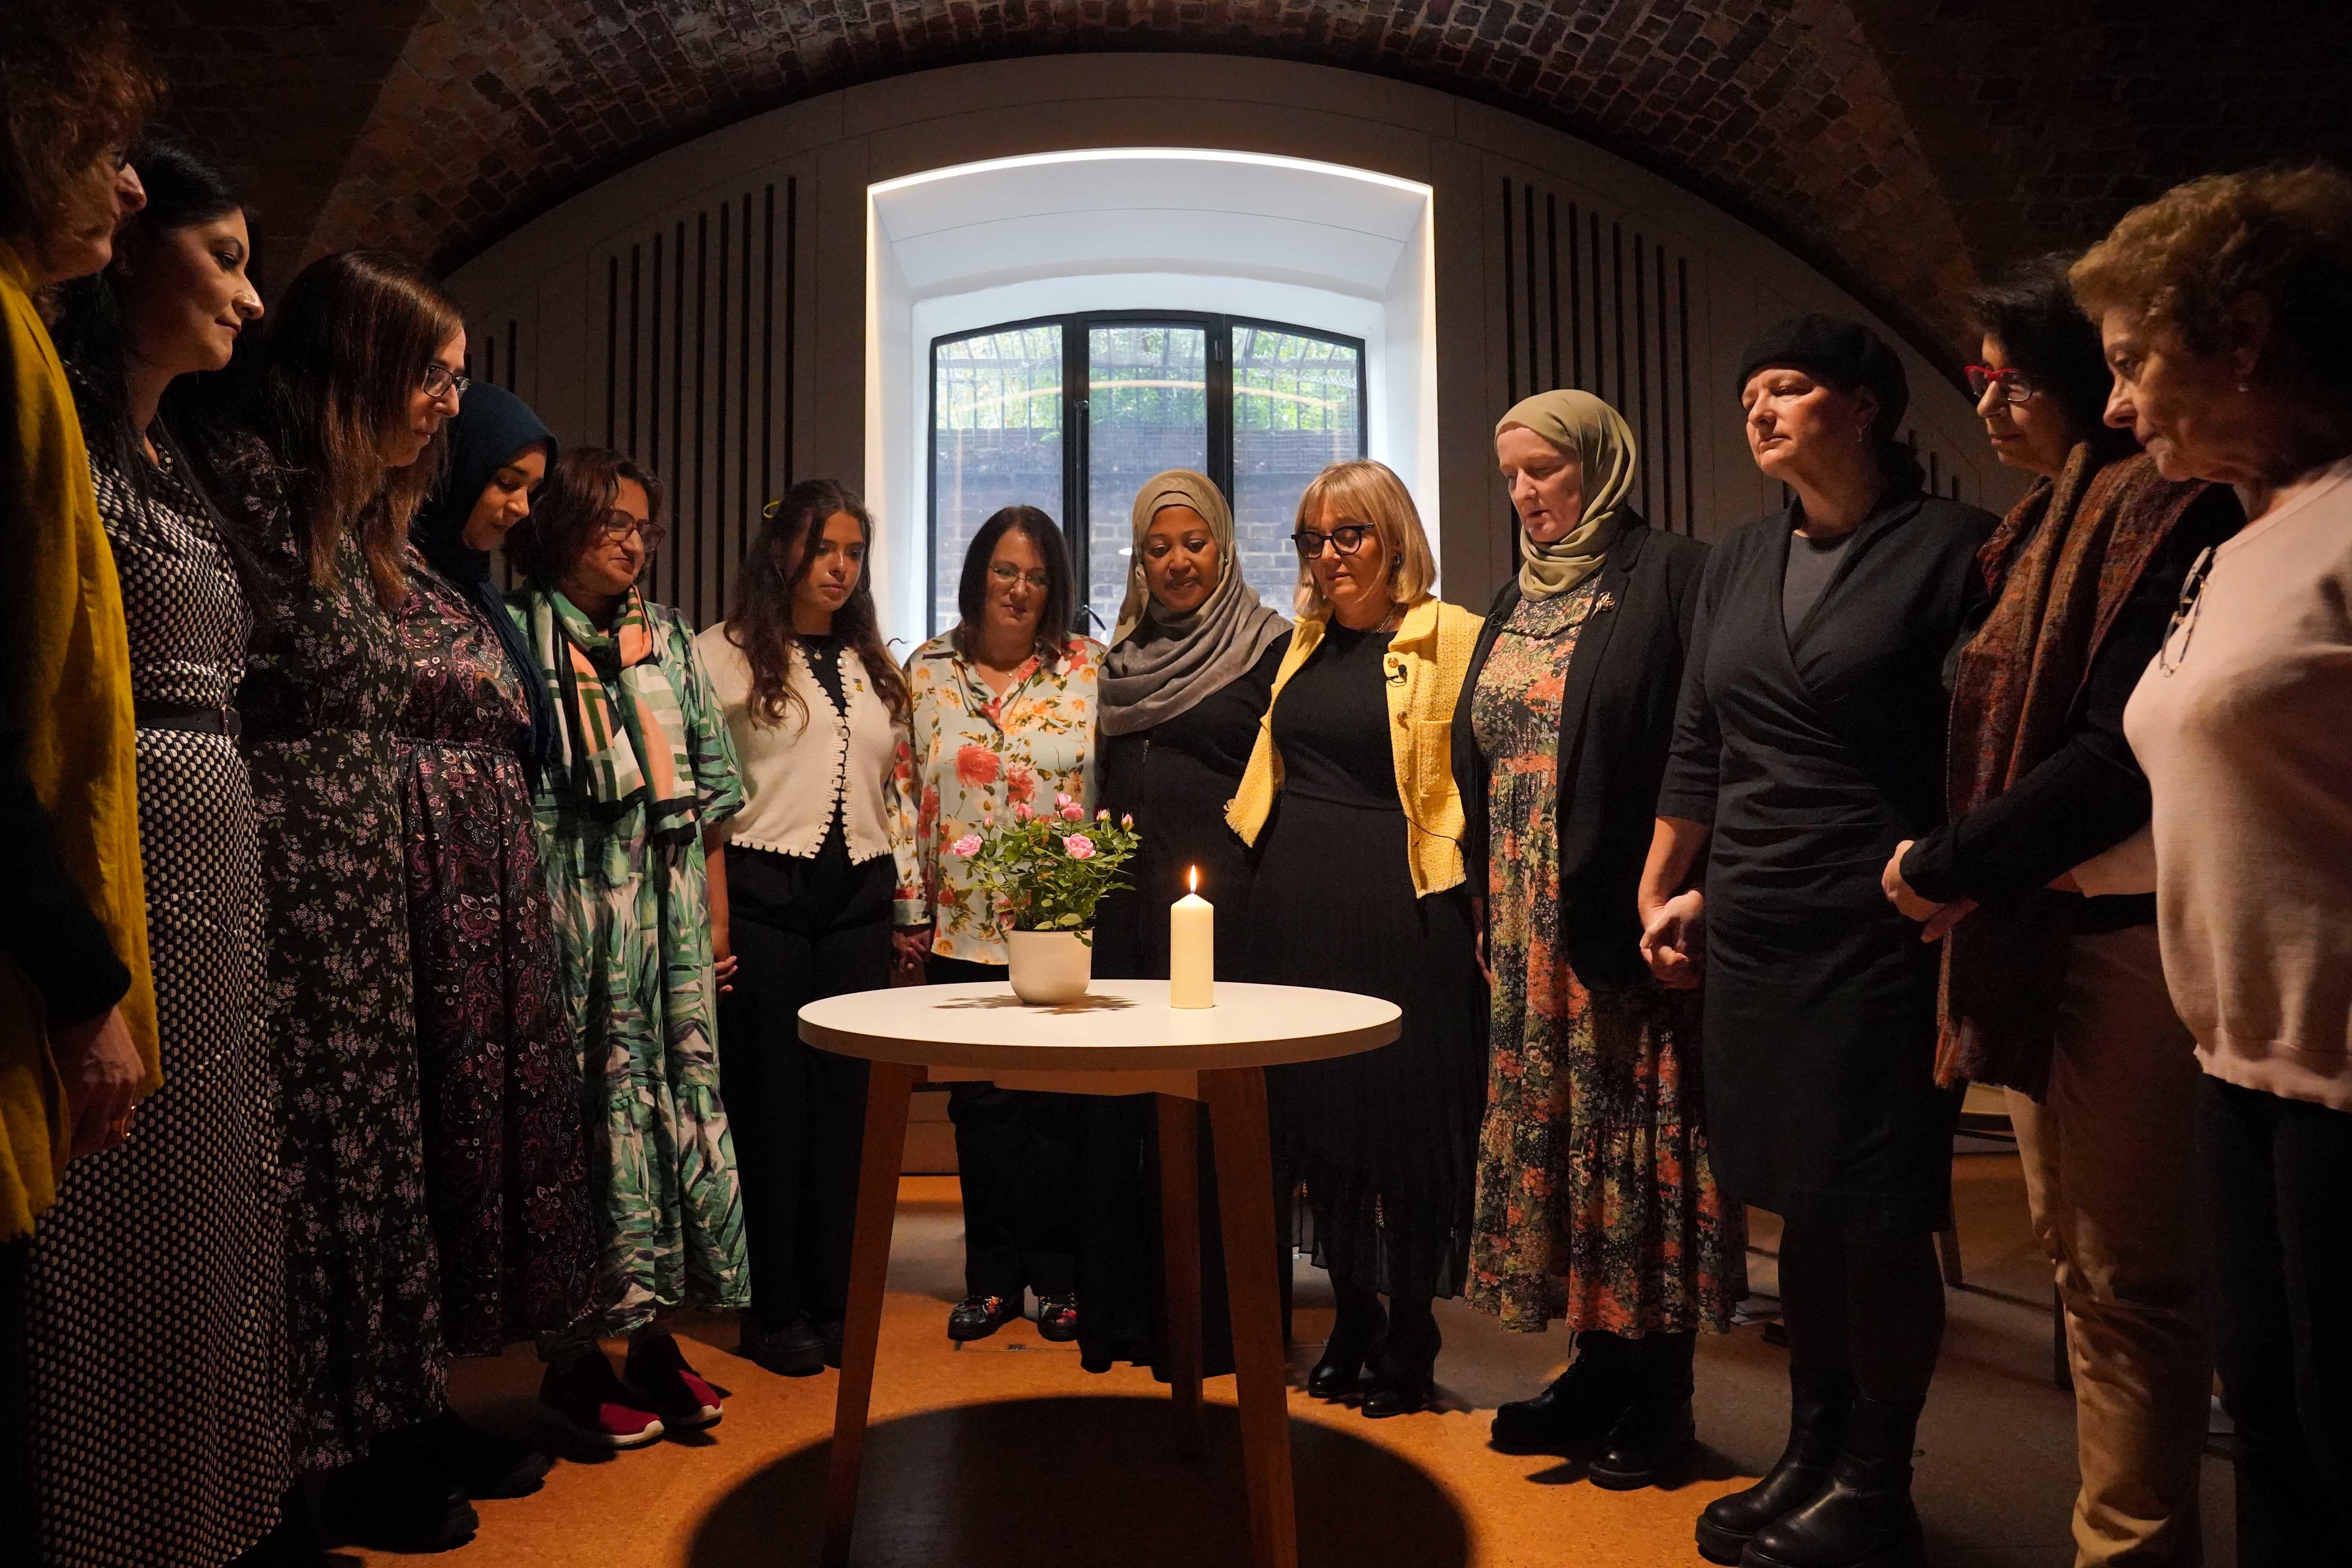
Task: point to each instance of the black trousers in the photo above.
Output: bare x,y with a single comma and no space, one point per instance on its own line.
1017,1154
801,929
2280,1172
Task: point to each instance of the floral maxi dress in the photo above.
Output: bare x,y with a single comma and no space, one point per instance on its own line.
1596,1202
633,927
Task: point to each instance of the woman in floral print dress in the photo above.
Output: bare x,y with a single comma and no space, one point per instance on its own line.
1596,1203
643,770
1003,723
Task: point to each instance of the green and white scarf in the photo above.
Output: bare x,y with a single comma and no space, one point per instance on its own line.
624,729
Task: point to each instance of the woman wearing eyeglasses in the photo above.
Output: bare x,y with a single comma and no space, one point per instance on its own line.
2057,998
362,364
1004,724
1350,802
2225,307
642,775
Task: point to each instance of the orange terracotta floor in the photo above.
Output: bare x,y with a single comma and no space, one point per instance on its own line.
1007,1453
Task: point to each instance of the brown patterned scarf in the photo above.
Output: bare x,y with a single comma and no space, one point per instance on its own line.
2061,563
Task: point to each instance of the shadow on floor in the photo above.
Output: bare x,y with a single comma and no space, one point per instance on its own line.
1017,1483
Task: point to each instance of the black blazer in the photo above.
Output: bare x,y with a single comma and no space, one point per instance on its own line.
1617,725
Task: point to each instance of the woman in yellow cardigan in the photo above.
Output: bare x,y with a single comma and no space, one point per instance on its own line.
1350,802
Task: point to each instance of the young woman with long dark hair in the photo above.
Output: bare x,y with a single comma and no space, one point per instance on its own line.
119,1479
818,711
337,447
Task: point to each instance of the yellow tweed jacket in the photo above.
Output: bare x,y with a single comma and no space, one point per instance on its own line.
68,667
1431,651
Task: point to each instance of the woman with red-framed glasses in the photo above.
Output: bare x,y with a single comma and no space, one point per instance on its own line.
2058,999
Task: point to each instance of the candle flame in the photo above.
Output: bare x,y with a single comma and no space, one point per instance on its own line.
1192,879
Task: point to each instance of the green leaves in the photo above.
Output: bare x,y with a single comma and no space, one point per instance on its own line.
1046,870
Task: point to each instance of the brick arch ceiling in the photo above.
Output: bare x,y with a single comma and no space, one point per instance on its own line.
1907,147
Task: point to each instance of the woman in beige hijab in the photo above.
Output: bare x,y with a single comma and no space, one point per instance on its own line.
1190,673
1596,1204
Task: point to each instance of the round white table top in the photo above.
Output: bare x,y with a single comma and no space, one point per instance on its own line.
1119,1026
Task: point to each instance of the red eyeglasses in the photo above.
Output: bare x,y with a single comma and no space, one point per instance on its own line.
2014,385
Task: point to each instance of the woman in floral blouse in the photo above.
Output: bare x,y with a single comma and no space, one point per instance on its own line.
1004,724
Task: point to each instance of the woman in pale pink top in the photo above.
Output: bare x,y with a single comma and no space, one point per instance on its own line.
2226,310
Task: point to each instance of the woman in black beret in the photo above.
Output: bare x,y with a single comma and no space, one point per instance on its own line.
1809,743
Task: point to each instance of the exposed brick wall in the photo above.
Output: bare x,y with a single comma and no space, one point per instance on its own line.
1904,145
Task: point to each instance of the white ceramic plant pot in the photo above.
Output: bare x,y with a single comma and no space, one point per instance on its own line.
1050,967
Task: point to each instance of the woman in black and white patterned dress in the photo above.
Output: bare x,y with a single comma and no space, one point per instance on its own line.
156,1305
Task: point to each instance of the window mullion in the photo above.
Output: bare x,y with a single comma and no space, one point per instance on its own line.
1076,428
1221,404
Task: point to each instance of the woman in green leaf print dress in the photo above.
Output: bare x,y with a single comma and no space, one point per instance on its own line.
644,770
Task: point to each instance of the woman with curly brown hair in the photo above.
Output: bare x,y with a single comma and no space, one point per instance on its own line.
2226,310
74,928
818,710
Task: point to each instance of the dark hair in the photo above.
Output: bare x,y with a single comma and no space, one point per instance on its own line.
580,490
71,86
972,588
2032,315
761,622
340,358
183,190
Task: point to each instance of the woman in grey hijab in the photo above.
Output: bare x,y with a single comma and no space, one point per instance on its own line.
1190,672
1596,1203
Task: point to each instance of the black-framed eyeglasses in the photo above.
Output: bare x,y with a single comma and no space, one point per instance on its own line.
2015,385
616,526
440,381
1346,538
1007,574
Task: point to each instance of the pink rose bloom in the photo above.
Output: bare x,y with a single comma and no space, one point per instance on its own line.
975,766
1074,813
1078,846
1060,800
1103,816
987,819
967,846
1127,821
1021,812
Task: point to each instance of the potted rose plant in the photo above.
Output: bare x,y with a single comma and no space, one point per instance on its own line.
1046,870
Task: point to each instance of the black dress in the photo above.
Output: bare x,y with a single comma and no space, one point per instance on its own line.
1812,752
1174,779
803,927
1384,1142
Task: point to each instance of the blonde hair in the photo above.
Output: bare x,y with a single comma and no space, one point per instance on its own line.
1365,492
2187,258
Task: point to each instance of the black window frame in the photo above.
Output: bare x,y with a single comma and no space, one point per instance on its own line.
1077,516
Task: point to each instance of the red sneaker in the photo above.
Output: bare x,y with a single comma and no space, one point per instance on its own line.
656,1369
588,1402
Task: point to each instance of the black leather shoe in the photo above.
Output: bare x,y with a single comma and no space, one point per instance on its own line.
1404,1368
480,1464
1573,1418
1355,1336
831,1333
390,1506
977,1317
1865,1519
1819,1405
793,1351
1651,1444
1058,1318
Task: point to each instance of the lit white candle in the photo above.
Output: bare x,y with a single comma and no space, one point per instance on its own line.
1192,947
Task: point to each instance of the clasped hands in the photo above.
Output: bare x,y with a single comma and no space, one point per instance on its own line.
1936,919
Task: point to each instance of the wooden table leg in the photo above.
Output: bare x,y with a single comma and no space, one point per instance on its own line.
889,1088
1179,1246
1236,1098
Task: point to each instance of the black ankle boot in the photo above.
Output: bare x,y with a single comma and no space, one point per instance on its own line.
1404,1368
1819,1404
1650,1443
1865,1519
1355,1333
1573,1418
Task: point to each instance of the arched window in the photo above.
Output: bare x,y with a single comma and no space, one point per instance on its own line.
1073,413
